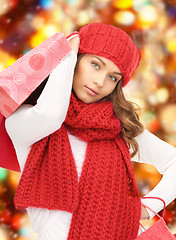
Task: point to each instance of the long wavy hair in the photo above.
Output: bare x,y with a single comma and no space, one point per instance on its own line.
128,113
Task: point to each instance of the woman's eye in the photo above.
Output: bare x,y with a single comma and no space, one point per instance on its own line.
96,65
113,78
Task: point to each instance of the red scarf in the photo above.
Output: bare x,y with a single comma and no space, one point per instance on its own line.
105,202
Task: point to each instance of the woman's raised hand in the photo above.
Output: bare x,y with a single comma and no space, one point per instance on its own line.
74,43
144,213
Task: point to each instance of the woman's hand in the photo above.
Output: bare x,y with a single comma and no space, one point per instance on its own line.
144,213
74,43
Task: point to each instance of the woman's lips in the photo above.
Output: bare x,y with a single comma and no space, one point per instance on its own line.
91,91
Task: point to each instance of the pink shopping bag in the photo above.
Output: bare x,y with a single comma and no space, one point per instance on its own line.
159,230
23,80
8,157
20,79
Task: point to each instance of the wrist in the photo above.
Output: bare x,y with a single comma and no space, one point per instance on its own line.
144,213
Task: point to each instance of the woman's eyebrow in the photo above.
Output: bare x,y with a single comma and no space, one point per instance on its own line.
105,65
118,73
101,61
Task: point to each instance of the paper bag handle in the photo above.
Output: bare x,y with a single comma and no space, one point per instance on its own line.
153,210
163,213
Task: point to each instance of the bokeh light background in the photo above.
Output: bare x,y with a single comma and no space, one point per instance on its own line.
152,25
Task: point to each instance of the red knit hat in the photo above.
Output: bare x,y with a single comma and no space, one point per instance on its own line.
112,43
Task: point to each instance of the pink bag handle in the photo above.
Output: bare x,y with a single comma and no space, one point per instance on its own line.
72,35
152,210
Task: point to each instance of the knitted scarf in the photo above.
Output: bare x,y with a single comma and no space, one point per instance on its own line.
105,202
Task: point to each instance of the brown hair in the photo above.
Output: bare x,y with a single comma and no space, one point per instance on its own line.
127,114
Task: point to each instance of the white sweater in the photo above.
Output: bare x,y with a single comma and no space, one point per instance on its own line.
29,124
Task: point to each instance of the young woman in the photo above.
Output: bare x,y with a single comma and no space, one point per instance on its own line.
76,144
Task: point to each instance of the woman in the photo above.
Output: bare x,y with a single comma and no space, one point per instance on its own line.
74,152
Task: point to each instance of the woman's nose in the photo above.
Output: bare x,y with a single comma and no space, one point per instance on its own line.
99,80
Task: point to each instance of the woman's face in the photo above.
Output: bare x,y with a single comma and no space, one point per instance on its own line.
95,78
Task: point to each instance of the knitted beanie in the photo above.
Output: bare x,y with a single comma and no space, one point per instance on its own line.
112,43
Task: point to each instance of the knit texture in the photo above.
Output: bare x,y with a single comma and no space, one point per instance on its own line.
105,202
112,43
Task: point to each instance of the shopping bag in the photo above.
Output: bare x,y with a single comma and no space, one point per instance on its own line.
21,78
159,230
8,157
24,81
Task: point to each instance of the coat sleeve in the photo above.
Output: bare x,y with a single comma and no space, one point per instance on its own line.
28,124
162,156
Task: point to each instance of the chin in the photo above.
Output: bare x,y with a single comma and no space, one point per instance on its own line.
85,98
85,101
82,97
